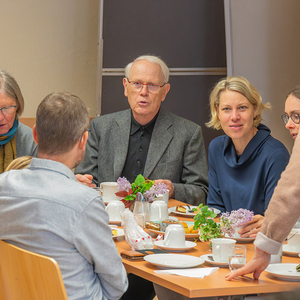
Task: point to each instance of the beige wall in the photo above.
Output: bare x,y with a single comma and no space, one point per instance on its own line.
265,48
50,46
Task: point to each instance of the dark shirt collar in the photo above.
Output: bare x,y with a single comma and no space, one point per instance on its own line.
135,126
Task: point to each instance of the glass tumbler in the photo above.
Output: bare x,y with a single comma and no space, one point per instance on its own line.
238,258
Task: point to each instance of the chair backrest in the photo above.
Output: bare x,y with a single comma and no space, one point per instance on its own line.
29,276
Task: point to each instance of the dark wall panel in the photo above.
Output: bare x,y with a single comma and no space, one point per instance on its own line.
184,33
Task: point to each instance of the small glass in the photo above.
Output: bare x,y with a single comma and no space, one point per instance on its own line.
141,207
238,258
140,220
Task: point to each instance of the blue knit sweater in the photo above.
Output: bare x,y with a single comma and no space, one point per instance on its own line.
245,181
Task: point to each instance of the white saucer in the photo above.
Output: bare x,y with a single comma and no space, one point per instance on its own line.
188,245
177,261
239,239
119,234
209,259
286,251
284,271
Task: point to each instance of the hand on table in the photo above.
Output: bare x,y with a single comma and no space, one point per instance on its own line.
252,228
256,265
85,179
169,185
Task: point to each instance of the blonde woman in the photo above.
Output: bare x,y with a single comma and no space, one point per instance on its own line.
245,163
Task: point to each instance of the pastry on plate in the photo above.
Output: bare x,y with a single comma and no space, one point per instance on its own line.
180,208
153,226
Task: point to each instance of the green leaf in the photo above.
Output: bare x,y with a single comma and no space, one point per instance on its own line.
129,198
139,179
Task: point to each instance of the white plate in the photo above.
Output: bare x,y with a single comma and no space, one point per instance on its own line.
119,234
188,245
209,259
286,251
186,214
284,271
177,261
239,239
187,235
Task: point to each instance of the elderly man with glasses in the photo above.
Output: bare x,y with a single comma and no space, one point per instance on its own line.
148,140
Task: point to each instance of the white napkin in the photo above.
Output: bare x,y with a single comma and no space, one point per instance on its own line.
195,272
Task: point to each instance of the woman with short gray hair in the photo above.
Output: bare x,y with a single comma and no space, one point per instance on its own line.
15,138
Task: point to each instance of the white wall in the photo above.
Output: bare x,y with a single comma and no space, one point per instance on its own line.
50,46
265,48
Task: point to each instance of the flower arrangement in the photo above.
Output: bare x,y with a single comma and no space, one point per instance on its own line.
204,220
148,188
237,218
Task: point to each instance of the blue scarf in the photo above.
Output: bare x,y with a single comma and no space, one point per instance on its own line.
11,133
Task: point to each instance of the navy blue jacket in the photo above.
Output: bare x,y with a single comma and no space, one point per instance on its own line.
245,181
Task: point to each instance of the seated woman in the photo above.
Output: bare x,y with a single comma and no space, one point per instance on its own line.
246,163
15,138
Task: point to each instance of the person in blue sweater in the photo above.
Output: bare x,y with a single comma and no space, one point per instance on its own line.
245,164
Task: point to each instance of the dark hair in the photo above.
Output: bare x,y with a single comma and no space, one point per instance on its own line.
61,119
11,88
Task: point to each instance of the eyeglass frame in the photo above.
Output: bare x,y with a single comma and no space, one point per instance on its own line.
147,84
8,107
292,118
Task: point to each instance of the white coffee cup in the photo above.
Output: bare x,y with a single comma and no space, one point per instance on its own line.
293,239
174,236
114,208
109,190
158,211
222,249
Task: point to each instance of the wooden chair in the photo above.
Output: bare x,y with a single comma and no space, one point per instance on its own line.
29,276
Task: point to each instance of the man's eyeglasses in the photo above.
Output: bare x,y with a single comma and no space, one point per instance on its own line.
8,110
294,116
152,88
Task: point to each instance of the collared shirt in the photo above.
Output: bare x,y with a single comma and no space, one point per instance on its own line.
139,141
45,210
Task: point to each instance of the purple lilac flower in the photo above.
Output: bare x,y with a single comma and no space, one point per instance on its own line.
155,190
237,218
123,184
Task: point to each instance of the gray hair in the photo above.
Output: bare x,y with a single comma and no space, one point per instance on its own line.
152,59
61,119
11,88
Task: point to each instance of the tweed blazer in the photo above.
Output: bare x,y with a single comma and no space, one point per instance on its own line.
176,152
